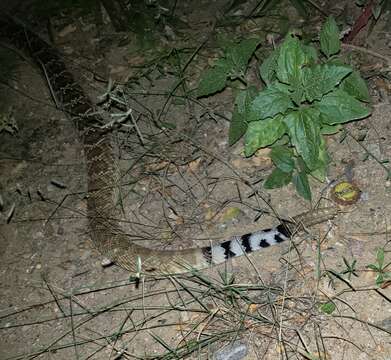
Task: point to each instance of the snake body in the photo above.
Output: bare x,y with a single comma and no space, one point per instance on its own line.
103,178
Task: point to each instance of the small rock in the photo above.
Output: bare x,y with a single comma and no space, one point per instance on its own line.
236,351
106,262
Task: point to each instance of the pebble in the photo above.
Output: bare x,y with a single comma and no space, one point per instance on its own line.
235,351
106,262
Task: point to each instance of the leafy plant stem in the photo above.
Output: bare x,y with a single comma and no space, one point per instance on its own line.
305,97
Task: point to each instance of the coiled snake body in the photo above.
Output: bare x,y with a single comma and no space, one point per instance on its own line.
103,177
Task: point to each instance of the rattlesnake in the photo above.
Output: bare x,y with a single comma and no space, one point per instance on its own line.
103,178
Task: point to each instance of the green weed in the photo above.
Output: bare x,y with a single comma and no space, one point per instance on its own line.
307,95
350,268
380,268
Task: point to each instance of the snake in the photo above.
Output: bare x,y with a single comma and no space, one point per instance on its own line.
103,177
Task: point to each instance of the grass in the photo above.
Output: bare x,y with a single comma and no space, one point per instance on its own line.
191,315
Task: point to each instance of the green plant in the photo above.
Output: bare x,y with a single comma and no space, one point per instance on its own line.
306,96
380,268
232,66
350,268
327,308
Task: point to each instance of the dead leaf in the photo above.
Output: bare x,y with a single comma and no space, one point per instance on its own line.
210,214
229,214
261,161
194,165
386,284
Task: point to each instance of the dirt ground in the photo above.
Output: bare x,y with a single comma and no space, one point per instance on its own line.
57,299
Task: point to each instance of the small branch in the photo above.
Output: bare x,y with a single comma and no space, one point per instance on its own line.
362,21
369,52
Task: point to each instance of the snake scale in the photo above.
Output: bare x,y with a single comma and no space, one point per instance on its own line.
103,176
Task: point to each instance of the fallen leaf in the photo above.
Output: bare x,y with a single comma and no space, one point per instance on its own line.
195,164
229,214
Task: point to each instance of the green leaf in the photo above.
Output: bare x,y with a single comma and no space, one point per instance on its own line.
379,279
237,128
263,133
323,161
243,101
277,179
298,94
380,257
329,37
214,79
273,100
242,115
301,166
320,173
339,107
376,10
304,131
320,79
335,61
267,70
282,157
311,54
327,308
240,54
290,61
330,129
373,267
300,181
356,86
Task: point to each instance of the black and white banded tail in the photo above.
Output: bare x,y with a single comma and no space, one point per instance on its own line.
247,243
